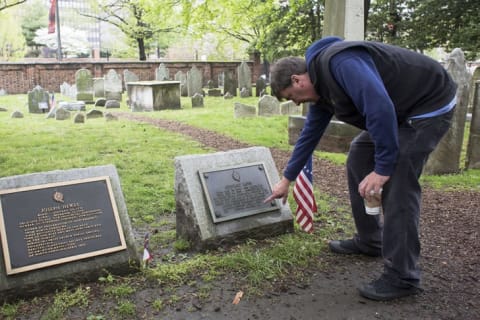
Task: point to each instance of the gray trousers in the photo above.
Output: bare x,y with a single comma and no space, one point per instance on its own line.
397,235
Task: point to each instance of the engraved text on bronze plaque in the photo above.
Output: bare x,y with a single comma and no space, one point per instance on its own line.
49,224
237,192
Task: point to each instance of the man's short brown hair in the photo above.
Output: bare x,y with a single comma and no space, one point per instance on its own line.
281,73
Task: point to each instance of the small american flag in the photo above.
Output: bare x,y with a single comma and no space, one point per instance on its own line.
303,194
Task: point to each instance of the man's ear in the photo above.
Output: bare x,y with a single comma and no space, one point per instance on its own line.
295,79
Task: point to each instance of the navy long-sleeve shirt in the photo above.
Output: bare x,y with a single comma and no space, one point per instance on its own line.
355,72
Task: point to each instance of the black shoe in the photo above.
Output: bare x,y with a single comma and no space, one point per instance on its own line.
382,290
349,247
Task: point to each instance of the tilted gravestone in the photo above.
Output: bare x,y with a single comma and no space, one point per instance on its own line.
99,87
129,76
260,85
62,228
219,198
197,101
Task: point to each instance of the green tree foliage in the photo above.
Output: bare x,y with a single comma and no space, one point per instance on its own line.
34,17
12,42
139,20
427,24
5,4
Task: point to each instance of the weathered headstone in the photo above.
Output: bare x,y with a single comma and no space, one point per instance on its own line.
129,76
182,78
197,101
38,100
194,81
17,114
94,114
473,148
62,228
230,83
110,116
336,138
260,85
3,92
241,110
84,85
62,114
245,78
446,156
79,118
219,198
99,87
162,73
113,86
72,105
268,106
112,104
100,102
289,108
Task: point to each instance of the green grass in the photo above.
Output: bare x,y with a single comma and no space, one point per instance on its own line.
144,156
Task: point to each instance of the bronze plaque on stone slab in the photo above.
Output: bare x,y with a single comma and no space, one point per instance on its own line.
237,192
60,222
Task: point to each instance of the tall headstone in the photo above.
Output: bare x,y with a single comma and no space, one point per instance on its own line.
344,18
38,100
230,83
84,85
162,73
194,81
182,78
99,87
113,86
473,147
245,78
446,157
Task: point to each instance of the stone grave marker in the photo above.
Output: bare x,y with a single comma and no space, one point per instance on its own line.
336,138
197,101
113,86
84,85
61,228
219,198
182,78
289,108
473,148
99,87
194,81
241,110
268,106
162,73
38,100
260,86
129,76
230,83
245,78
446,156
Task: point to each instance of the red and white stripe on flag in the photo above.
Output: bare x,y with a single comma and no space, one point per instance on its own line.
303,195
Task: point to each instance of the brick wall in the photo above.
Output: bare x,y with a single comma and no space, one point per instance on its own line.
17,78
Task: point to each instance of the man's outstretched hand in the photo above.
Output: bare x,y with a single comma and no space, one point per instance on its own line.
280,190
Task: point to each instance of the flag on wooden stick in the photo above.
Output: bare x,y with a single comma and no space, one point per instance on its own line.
303,194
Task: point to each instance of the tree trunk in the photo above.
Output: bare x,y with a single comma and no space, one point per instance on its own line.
141,49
